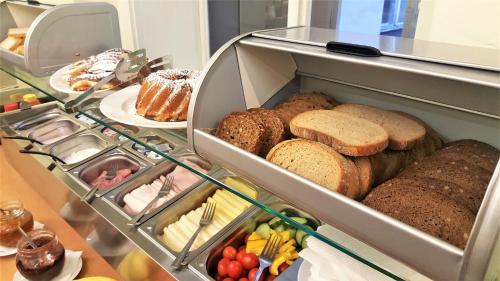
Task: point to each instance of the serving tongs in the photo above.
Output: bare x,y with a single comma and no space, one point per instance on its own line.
54,158
126,70
160,63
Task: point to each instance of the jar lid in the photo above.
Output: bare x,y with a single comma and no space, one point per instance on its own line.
29,97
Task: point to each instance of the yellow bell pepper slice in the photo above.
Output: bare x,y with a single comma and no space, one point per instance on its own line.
254,236
285,235
287,246
273,269
256,246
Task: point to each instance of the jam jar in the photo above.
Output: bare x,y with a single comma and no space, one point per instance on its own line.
45,261
12,214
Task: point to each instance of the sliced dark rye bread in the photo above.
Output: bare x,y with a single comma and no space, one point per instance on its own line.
316,97
471,179
241,130
424,209
404,133
347,134
473,152
318,163
275,131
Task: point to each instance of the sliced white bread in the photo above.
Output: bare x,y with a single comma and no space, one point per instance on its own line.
403,132
319,163
345,133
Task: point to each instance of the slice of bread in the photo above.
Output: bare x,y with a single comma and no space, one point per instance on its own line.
241,130
424,209
19,32
366,175
404,133
473,152
286,111
274,129
11,43
320,99
433,140
318,163
344,132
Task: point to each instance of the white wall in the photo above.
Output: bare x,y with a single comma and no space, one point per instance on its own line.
360,16
464,22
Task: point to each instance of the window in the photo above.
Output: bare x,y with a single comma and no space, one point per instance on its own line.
393,15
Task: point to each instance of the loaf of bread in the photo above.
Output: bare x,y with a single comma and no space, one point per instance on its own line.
347,134
241,130
424,209
404,133
319,163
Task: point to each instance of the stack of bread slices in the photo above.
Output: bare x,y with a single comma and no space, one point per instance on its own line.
15,40
358,150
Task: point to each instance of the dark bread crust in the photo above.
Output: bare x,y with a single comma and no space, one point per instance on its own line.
424,209
472,152
274,129
241,130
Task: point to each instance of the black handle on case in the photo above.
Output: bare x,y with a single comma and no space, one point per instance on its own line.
353,49
28,147
43,153
52,166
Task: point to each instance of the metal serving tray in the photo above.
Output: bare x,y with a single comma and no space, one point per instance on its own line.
115,197
63,127
252,71
117,137
206,263
153,228
65,147
148,136
37,120
85,173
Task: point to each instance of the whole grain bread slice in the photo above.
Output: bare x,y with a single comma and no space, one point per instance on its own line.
274,129
433,140
404,133
366,175
287,110
424,209
318,163
473,152
347,134
241,130
316,97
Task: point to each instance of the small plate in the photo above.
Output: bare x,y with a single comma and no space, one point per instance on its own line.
7,251
120,107
72,266
59,83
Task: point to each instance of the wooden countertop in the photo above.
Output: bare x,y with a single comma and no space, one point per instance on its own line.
13,186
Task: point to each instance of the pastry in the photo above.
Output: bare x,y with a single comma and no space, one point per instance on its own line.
165,94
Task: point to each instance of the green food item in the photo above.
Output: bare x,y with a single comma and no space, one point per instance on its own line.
280,228
292,231
299,236
264,230
299,220
303,243
275,222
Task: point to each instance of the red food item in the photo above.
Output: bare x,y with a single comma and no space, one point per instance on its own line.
249,261
243,279
229,253
252,273
234,269
241,254
218,277
10,106
228,279
222,267
106,184
241,247
283,267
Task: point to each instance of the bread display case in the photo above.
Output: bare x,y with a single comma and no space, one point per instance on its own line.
45,50
261,70
460,100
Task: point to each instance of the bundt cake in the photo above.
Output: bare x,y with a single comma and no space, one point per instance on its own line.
165,94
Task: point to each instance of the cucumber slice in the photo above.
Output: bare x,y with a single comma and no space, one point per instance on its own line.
303,243
292,231
299,236
264,230
280,228
299,220
275,222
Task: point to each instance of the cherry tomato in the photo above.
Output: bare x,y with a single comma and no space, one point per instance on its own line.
249,261
283,267
241,247
252,273
218,277
228,279
229,253
246,239
234,269
243,279
241,254
270,277
222,267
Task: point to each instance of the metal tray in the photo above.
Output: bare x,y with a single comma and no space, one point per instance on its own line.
153,228
115,197
86,172
80,141
118,138
148,136
59,125
37,120
206,263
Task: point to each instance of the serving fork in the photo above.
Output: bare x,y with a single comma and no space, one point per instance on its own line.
206,219
267,256
164,191
110,174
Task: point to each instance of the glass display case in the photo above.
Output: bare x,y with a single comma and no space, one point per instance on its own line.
86,146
